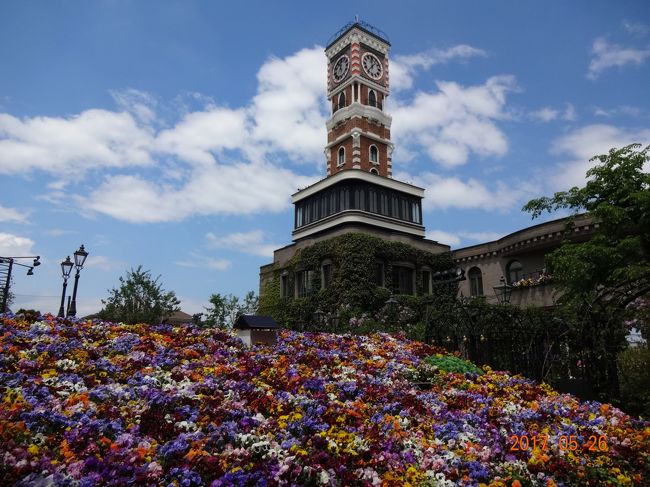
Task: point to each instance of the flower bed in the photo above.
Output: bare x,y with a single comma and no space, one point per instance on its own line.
96,402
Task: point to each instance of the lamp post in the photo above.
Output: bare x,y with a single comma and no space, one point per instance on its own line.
66,268
391,305
79,259
10,262
503,291
318,317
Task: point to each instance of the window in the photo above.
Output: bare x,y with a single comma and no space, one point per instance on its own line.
299,221
374,154
426,282
475,282
303,283
342,100
514,271
374,171
416,212
372,98
284,286
379,273
402,280
326,274
341,159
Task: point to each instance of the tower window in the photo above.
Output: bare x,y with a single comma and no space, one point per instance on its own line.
342,100
374,154
372,98
341,156
475,282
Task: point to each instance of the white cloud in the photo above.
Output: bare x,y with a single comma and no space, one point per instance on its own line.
455,121
547,114
139,103
58,232
14,245
625,110
453,192
93,139
12,215
580,145
403,68
606,55
455,238
253,242
443,237
104,263
199,135
209,263
242,188
195,174
636,28
290,109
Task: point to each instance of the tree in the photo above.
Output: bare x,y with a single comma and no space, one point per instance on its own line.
139,299
603,278
227,308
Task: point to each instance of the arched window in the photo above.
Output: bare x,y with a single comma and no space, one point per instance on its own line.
342,99
514,271
341,159
374,154
475,277
372,98
374,171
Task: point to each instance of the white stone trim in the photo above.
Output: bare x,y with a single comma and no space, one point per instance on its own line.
358,175
369,135
358,216
355,77
357,110
357,35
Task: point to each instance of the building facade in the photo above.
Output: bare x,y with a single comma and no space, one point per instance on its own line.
518,259
358,195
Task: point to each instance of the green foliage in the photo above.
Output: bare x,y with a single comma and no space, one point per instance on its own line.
634,367
602,277
139,299
353,291
614,265
225,310
451,363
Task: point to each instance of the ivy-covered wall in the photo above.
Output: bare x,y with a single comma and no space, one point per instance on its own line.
353,291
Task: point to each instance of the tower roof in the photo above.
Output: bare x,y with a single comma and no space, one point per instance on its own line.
360,24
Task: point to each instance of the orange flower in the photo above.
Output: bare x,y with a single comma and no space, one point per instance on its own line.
516,483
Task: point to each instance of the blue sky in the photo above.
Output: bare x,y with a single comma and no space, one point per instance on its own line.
171,134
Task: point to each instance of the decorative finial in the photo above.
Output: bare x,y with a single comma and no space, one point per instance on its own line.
356,18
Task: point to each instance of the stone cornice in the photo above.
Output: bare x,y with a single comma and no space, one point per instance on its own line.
357,35
352,174
539,236
357,110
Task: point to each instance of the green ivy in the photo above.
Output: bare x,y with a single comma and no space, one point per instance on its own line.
352,291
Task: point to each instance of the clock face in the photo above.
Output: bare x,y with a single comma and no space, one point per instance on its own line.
341,68
372,65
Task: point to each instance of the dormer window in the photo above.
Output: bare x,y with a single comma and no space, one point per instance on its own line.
372,98
341,156
374,154
342,100
374,171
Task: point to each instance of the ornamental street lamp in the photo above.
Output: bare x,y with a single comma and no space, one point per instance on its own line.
79,259
391,306
10,262
503,291
318,318
66,269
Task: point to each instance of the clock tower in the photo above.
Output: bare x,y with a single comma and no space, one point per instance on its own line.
358,132
359,193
